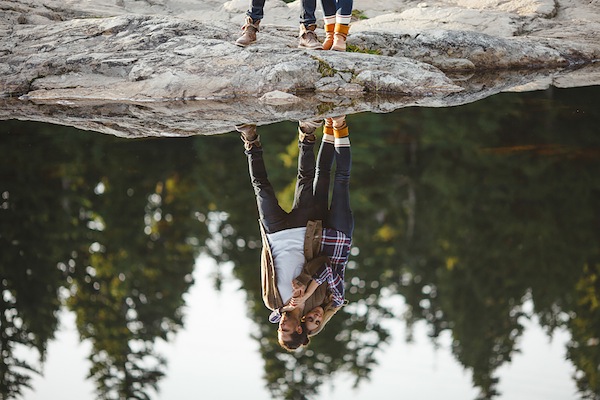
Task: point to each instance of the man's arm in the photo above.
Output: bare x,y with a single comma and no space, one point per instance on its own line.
297,301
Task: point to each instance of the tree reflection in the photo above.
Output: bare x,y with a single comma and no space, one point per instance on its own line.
117,230
467,213
34,236
500,219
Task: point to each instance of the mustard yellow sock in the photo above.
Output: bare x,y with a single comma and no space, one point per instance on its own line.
328,127
340,131
328,131
340,134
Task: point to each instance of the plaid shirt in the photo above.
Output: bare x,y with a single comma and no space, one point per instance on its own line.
336,246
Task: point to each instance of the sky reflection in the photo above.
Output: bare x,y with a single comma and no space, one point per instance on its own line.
226,362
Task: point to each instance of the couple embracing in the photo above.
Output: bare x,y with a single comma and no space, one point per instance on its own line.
337,15
305,251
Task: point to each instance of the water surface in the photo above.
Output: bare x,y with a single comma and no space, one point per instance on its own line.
131,266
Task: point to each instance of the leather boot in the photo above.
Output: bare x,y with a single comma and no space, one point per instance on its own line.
306,130
339,123
339,37
308,38
328,127
329,28
249,32
248,135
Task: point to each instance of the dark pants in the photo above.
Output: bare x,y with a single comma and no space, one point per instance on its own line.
311,198
338,215
307,15
333,7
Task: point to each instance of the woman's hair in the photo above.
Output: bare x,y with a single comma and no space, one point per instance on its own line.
296,339
327,314
328,311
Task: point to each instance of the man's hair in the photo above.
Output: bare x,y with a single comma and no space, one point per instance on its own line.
296,339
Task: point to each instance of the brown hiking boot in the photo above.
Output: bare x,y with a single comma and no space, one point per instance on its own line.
308,38
328,42
306,130
249,32
339,37
248,135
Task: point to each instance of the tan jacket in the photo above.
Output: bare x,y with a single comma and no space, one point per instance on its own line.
312,245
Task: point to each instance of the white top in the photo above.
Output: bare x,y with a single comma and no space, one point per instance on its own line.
287,247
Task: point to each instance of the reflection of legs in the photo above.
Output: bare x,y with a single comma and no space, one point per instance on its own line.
271,214
340,215
303,195
324,164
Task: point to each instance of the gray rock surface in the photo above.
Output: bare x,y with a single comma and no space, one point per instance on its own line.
169,67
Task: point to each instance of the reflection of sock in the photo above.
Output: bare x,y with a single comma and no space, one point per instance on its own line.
328,131
341,135
342,142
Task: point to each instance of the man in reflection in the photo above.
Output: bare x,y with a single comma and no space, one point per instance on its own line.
305,251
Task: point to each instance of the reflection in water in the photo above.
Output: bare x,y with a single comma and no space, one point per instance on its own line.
305,250
468,214
76,231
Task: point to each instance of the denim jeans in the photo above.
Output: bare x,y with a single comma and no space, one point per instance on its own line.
333,7
311,195
338,215
307,15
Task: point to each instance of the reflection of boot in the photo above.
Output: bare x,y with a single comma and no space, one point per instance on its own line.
306,130
248,135
340,131
339,122
308,38
249,34
339,37
328,42
328,131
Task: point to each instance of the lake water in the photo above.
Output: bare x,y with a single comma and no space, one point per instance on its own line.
131,267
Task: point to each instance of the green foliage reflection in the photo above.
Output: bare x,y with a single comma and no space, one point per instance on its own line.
469,214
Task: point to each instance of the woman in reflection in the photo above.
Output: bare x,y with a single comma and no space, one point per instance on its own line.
305,251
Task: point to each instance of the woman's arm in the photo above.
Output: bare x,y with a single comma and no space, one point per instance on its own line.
297,301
